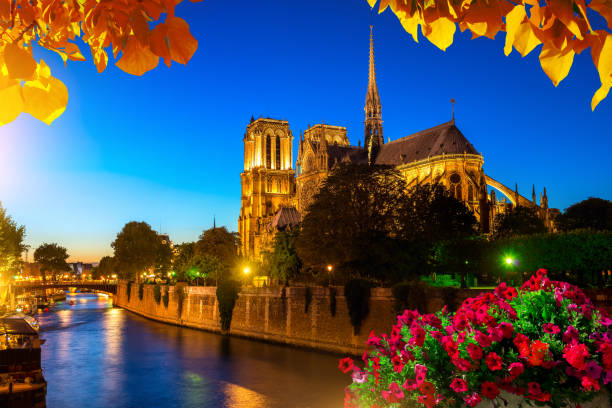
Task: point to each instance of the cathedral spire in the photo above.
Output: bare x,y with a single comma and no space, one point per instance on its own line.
373,117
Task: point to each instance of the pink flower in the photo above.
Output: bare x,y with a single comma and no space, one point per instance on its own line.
608,378
359,376
418,335
373,340
482,339
570,335
420,371
496,334
345,364
410,384
575,355
461,363
506,329
551,328
474,351
590,384
494,362
395,393
534,388
459,385
606,321
489,389
472,400
516,369
593,370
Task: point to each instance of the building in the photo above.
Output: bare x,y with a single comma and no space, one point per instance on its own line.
275,195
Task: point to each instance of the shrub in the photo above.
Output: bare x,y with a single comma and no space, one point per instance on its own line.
357,294
332,301
157,293
129,290
307,298
166,297
179,294
409,295
140,291
546,343
227,293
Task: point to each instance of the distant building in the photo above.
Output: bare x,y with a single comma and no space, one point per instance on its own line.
274,198
80,268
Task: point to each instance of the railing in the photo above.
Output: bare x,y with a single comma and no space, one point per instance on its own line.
106,286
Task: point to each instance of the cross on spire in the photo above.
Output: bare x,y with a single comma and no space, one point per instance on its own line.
452,101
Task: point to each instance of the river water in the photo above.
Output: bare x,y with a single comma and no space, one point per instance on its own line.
99,356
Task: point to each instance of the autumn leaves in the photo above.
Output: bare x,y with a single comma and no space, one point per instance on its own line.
561,26
123,26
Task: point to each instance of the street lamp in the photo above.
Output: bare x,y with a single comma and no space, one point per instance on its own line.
246,270
329,270
509,261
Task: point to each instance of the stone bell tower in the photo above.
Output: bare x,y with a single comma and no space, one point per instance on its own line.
373,115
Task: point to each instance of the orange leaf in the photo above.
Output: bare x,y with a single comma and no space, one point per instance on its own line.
603,7
140,27
152,8
564,11
136,59
100,59
172,39
19,62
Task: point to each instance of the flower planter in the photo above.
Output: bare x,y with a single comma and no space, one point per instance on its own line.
601,400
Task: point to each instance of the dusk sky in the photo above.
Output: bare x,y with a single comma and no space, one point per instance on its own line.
166,148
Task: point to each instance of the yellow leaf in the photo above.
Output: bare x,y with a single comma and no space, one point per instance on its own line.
602,58
440,32
513,22
45,102
410,23
19,62
11,102
524,39
372,3
383,5
563,10
556,63
100,59
136,59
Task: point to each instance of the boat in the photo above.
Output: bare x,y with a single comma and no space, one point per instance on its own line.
21,380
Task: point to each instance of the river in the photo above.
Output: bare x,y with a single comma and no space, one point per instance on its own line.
99,356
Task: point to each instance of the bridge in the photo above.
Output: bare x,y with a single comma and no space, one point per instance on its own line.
108,287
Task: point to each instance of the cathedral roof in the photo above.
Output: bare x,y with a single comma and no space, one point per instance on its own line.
285,217
343,154
442,139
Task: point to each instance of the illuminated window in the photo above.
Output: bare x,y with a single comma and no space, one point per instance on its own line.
268,152
278,153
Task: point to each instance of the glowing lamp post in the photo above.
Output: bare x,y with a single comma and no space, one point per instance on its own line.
330,268
509,261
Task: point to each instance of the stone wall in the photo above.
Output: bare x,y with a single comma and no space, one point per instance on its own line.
278,315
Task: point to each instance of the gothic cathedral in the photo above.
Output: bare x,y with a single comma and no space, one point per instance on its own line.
275,195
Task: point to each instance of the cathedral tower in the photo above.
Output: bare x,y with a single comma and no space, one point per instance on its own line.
268,180
373,116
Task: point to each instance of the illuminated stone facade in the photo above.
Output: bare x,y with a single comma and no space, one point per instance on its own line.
440,155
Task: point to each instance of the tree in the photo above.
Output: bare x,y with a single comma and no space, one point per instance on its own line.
519,221
106,267
592,213
564,28
52,258
283,260
163,262
352,221
220,243
136,249
11,243
183,260
121,26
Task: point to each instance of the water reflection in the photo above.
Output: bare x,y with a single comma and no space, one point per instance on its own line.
97,356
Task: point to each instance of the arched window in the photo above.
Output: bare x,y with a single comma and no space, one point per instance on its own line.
470,193
278,153
268,152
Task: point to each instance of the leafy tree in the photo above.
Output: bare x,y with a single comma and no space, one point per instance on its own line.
121,26
592,213
52,258
11,243
563,28
519,221
163,262
283,260
136,249
206,266
220,243
106,267
183,260
352,220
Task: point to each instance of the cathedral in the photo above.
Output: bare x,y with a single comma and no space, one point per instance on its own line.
275,195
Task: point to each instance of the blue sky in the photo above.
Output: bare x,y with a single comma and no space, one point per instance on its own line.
166,148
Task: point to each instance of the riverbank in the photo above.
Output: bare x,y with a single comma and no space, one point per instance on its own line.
314,317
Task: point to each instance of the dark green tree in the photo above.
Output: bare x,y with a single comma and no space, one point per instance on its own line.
354,224
52,258
163,261
592,213
283,260
106,267
183,260
136,249
11,243
221,244
519,221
